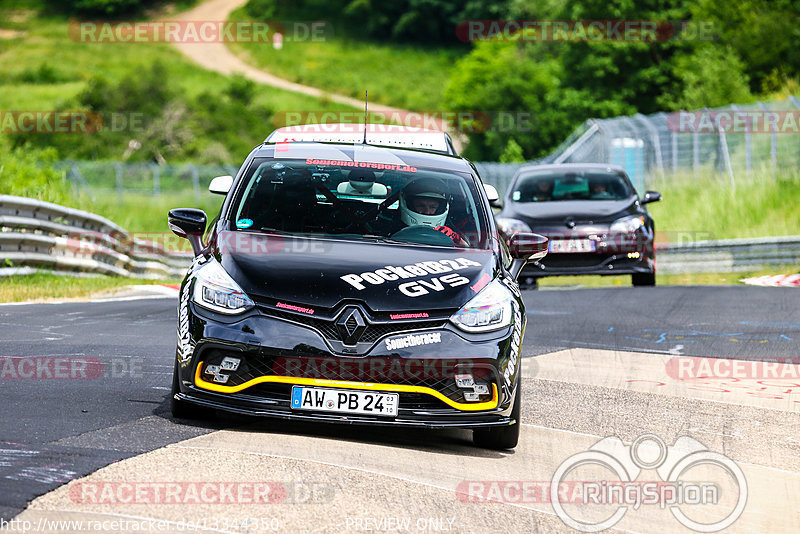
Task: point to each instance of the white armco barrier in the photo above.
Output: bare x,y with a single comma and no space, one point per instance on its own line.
34,233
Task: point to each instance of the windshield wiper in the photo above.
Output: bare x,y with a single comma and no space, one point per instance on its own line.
274,230
380,238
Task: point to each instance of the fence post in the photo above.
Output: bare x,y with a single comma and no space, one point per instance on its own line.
748,155
726,157
156,179
118,173
674,152
773,144
794,100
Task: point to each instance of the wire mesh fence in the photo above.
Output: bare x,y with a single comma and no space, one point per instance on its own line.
730,142
125,178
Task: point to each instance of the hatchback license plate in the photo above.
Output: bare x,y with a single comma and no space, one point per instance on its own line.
344,401
572,245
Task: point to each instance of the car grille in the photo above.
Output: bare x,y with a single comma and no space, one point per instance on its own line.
372,333
575,260
437,374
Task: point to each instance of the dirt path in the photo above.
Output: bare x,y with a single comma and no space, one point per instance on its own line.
217,57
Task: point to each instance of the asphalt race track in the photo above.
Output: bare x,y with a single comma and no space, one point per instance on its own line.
595,366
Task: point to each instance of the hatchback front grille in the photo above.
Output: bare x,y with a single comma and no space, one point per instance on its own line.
372,333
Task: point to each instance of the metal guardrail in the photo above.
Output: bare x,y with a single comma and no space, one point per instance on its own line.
728,255
34,233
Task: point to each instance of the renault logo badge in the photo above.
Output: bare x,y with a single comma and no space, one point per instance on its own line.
351,326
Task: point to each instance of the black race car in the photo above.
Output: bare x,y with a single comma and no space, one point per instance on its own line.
353,283
593,216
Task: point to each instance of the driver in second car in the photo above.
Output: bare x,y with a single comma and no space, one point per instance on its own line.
423,202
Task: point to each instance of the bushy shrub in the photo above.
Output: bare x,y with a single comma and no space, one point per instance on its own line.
27,171
145,118
102,8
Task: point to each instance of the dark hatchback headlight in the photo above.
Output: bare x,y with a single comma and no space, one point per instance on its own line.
491,309
216,290
627,225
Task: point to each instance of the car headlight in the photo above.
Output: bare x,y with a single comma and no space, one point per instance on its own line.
628,225
215,289
510,226
491,309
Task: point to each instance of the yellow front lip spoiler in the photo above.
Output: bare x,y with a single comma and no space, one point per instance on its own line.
394,388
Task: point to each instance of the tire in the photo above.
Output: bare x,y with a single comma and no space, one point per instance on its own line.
502,437
644,279
529,282
182,409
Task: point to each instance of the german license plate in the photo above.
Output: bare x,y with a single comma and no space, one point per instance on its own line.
572,245
344,401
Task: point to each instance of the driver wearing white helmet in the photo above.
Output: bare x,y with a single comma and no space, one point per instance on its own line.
426,202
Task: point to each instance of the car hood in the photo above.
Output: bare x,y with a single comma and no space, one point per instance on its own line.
321,273
578,210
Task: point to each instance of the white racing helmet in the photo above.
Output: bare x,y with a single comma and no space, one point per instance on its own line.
424,189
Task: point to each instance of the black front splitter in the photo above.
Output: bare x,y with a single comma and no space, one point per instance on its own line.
479,421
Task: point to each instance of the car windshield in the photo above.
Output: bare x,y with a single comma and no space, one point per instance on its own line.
361,201
572,185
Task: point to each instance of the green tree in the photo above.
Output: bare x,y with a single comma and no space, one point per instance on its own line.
763,33
502,77
103,8
512,153
712,76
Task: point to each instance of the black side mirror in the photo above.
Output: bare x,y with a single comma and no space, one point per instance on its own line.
190,224
525,247
651,196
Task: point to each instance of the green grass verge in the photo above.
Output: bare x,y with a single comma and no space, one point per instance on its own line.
707,207
405,76
43,42
46,42
143,212
683,279
43,285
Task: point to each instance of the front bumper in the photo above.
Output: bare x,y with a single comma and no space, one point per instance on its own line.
276,353
614,254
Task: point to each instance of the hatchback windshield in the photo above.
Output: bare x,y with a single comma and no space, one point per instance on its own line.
547,187
361,201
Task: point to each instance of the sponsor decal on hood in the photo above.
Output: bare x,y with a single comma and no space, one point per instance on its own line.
423,270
